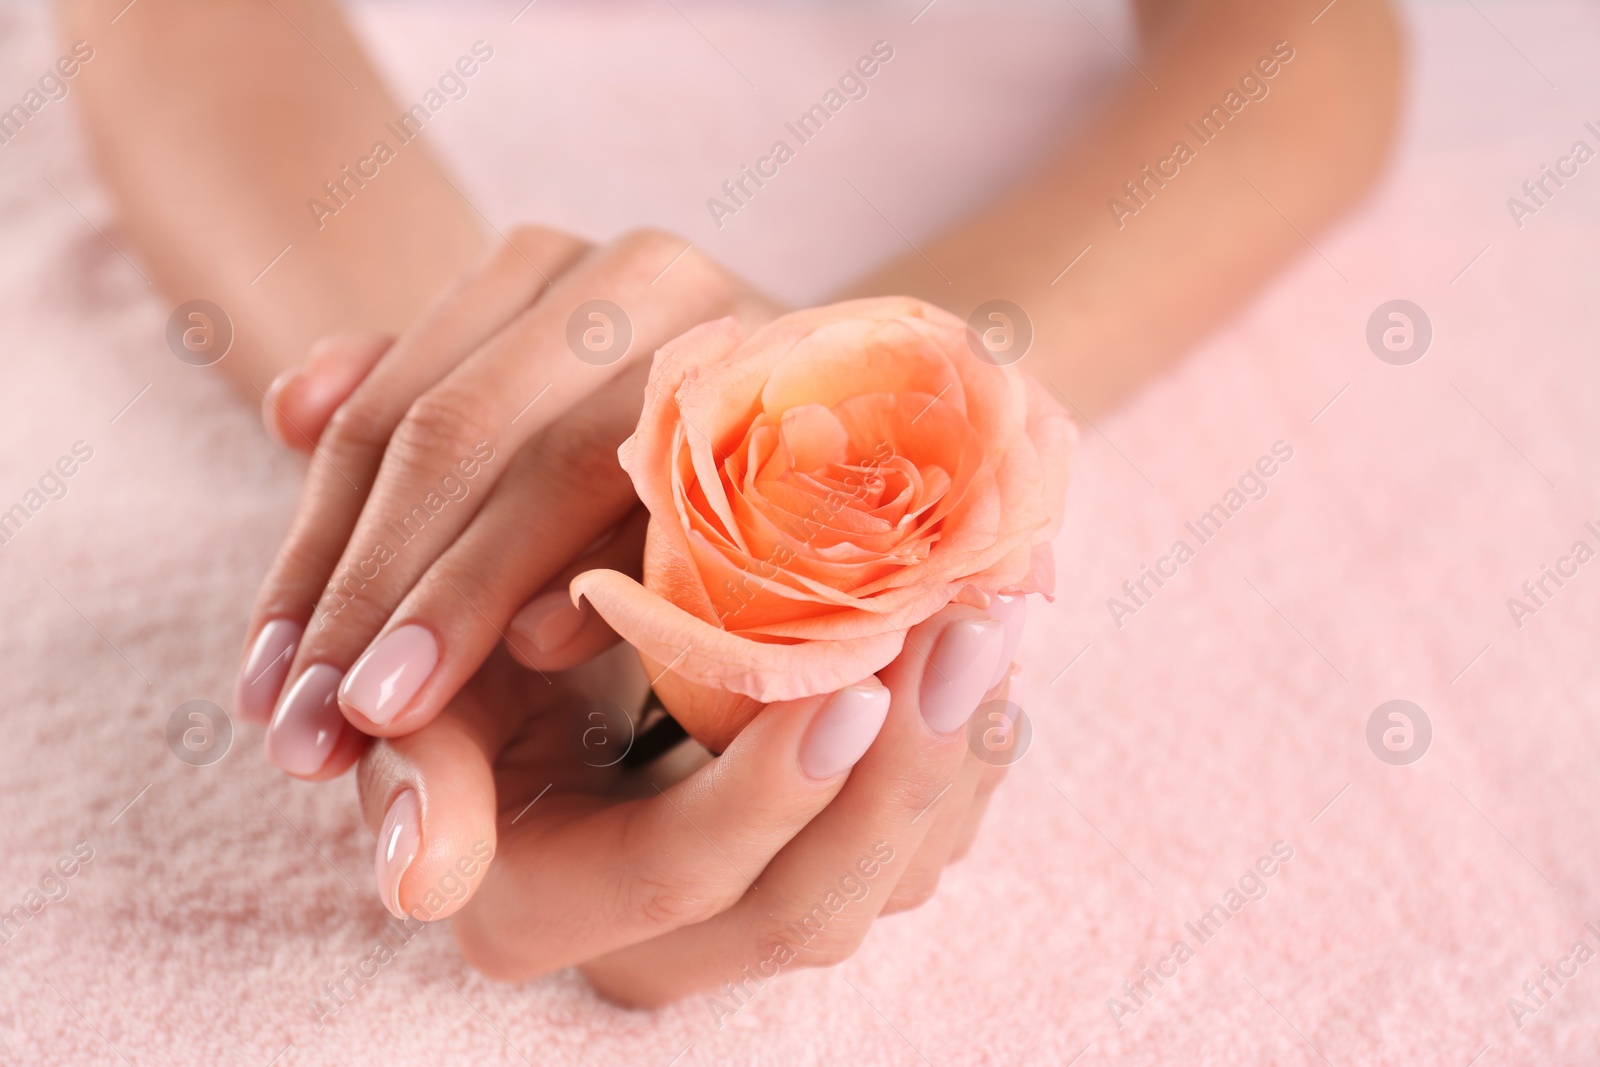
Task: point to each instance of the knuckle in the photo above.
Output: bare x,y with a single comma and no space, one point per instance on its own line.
830,948
649,251
920,793
914,890
439,425
666,893
647,242
667,900
530,252
816,935
358,426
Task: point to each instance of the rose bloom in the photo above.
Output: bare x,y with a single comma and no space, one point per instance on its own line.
818,488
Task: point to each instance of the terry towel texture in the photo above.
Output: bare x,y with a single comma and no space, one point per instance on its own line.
1215,718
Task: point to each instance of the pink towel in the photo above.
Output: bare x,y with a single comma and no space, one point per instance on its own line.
1206,765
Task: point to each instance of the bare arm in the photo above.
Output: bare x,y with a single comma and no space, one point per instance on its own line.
1188,248
215,122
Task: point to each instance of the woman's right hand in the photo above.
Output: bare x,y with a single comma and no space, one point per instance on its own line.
512,812
470,467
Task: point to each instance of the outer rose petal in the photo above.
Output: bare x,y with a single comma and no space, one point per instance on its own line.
711,656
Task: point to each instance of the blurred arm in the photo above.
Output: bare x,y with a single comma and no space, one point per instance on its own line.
215,121
1196,244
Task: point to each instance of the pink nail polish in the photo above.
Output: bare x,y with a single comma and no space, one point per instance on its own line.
548,622
307,723
1011,609
843,730
958,672
265,668
398,843
389,673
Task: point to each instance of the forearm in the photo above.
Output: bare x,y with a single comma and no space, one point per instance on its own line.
215,122
1186,248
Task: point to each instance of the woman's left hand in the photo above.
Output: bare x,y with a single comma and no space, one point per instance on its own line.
468,475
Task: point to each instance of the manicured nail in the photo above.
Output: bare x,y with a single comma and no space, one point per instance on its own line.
843,730
265,668
389,673
958,672
548,622
398,843
1012,610
307,722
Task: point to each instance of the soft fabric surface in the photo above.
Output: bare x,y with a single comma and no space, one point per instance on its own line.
1227,714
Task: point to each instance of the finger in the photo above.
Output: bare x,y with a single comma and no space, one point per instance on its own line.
949,814
430,797
351,446
308,736
816,900
477,413
987,784
298,404
566,890
549,633
459,610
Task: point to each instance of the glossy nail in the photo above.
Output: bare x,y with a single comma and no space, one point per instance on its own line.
548,622
843,730
306,725
958,672
398,843
1012,611
265,668
389,673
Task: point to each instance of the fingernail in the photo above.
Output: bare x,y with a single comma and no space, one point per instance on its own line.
548,622
265,668
1012,611
389,673
843,730
958,672
398,843
307,722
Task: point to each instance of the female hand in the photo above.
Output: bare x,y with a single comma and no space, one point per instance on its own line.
472,467
821,815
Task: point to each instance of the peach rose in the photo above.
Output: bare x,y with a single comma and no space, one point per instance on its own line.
817,489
